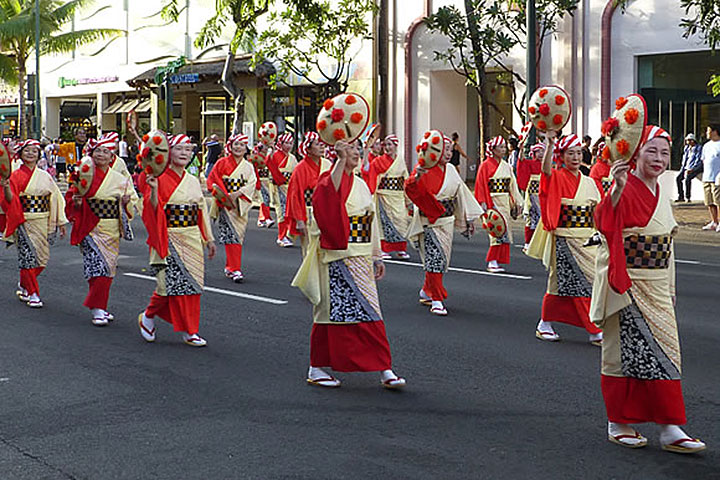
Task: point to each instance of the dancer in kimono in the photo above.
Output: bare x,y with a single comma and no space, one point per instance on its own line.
112,140
529,182
633,302
495,187
100,218
178,229
600,171
262,190
567,202
443,203
338,275
235,176
281,165
386,177
299,209
34,213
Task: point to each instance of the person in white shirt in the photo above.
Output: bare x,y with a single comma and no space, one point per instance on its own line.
123,149
711,171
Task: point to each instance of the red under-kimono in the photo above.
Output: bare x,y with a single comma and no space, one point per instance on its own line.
633,304
300,189
262,191
280,165
600,172
176,238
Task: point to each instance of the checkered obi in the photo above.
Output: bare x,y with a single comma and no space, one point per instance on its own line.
287,175
181,215
572,216
234,184
360,226
648,252
499,185
308,197
606,184
263,172
534,187
448,205
35,203
392,183
104,209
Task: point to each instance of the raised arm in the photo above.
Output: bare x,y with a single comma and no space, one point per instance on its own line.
550,137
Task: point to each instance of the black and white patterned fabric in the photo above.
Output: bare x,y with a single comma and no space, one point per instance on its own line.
572,216
650,252
392,183
127,231
35,203
360,228
534,213
347,303
448,205
234,184
181,215
571,280
265,195
434,261
390,233
178,280
263,172
499,185
27,257
308,197
226,233
94,265
104,209
534,187
606,184
640,354
282,198
287,175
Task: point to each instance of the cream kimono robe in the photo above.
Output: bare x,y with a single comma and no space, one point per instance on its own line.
232,224
505,201
531,205
392,202
434,240
278,193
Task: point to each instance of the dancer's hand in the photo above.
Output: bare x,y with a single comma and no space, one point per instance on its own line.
379,268
212,250
300,227
619,172
62,230
77,200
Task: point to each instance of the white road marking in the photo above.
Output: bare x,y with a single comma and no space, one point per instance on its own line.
689,262
4,379
465,270
248,296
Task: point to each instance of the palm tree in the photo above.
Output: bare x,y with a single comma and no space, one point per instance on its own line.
17,38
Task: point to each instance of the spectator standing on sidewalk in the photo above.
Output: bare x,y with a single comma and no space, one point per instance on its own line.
711,170
586,155
692,166
214,149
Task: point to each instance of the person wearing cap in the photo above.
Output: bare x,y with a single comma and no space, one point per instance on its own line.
338,275
386,176
711,173
600,171
281,163
528,177
692,166
236,177
100,218
299,209
176,218
633,302
567,201
496,187
34,213
443,204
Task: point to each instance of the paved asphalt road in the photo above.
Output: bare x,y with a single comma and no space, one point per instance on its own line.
485,398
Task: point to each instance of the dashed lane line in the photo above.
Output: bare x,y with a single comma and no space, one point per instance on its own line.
465,270
247,296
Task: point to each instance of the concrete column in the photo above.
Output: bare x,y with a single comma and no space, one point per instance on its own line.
51,119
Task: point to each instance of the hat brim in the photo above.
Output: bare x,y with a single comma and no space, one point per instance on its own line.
352,124
430,156
494,223
85,175
159,157
558,113
632,133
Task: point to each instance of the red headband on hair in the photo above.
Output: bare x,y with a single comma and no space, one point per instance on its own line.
309,138
392,138
565,144
284,137
652,132
494,143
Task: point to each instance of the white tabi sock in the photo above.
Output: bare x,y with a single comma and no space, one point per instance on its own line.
424,295
545,327
594,337
437,304
615,429
493,264
315,373
148,322
386,375
34,297
98,312
671,433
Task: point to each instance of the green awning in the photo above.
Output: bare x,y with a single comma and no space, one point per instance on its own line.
9,111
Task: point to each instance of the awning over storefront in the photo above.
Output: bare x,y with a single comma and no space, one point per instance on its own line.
9,111
205,70
126,105
73,109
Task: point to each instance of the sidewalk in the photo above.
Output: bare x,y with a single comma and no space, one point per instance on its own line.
691,217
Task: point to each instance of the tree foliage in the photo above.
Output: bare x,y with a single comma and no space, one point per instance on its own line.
306,32
17,37
487,32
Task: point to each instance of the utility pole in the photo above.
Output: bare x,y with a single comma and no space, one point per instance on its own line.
37,102
531,63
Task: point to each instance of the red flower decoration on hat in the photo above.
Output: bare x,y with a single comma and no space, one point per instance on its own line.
339,134
337,114
145,138
159,159
321,125
417,148
559,100
631,116
542,125
350,99
427,134
557,119
543,92
620,102
83,183
623,147
356,117
610,126
148,169
85,168
532,110
433,157
606,153
436,140
328,104
424,146
544,109
157,139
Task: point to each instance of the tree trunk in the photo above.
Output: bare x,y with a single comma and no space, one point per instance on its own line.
22,78
483,117
382,56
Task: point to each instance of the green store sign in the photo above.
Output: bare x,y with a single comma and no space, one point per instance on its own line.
73,82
